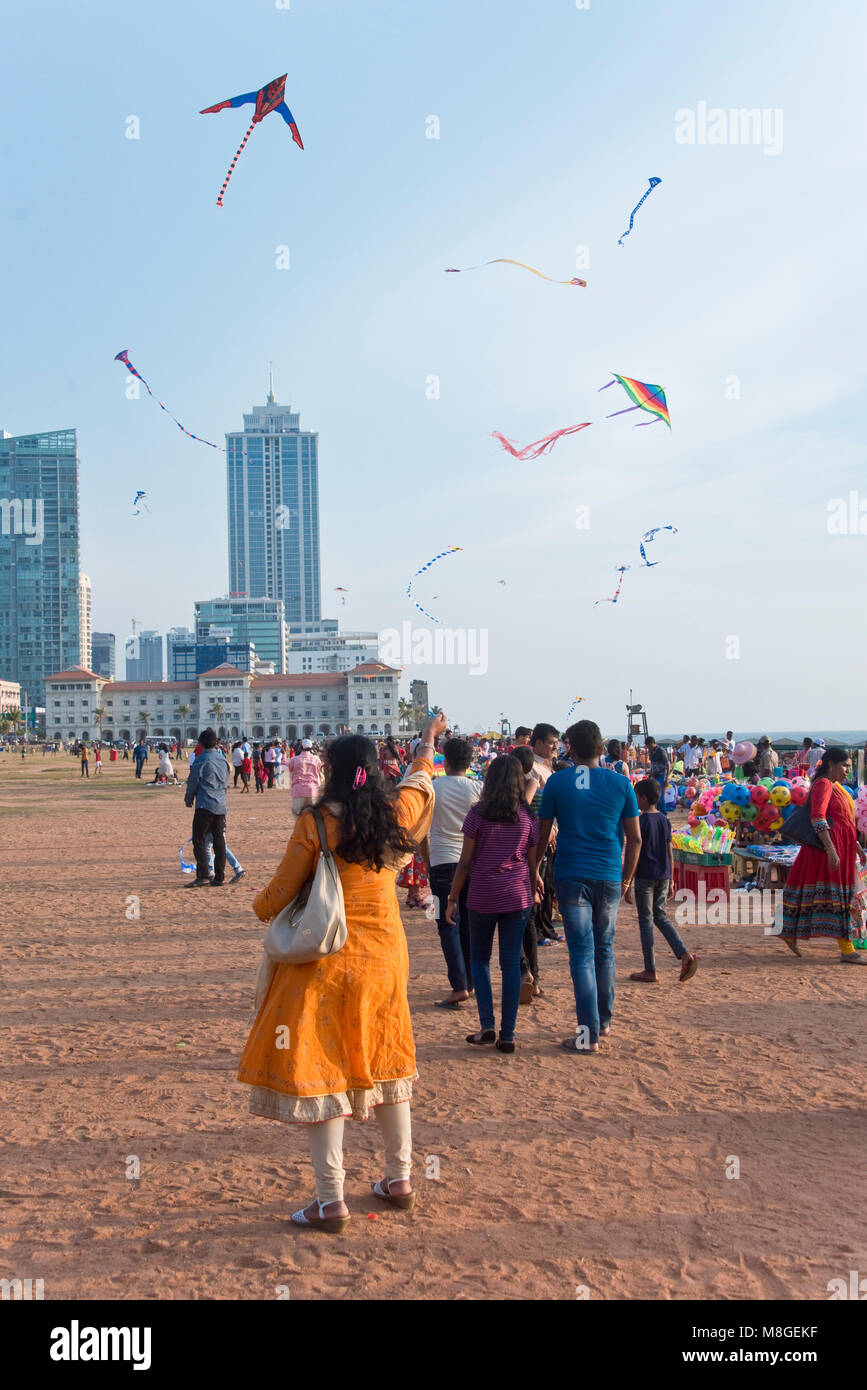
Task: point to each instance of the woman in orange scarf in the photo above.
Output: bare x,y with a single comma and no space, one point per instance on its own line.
333,1038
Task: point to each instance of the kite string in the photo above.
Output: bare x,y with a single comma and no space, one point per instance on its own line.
238,154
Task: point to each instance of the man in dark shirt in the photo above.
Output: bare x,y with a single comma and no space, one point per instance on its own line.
653,883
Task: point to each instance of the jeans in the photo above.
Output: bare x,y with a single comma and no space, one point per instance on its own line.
454,940
511,931
650,895
230,858
85,768
204,823
589,908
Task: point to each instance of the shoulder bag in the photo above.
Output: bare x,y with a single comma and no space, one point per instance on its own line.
313,925
799,826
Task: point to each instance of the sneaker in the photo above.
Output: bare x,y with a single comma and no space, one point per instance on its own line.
238,876
645,977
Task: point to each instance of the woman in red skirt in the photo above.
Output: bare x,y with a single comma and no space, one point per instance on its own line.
819,897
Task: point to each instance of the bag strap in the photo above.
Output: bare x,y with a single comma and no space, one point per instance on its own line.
320,826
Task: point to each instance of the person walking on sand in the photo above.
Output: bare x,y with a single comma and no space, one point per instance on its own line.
305,776
499,853
594,809
347,1014
246,772
207,785
454,795
819,897
653,883
140,754
85,765
97,755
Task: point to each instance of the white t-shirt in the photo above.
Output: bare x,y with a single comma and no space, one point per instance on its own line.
237,757
453,798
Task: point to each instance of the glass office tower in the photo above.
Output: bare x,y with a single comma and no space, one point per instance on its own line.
273,487
39,558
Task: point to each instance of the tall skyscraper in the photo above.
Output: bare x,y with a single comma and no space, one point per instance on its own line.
103,654
85,630
257,620
175,637
39,558
144,657
274,512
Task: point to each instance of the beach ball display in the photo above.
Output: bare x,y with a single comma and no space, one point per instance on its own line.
749,813
777,824
727,792
742,752
799,792
789,810
730,811
767,815
767,782
781,794
759,795
689,791
742,794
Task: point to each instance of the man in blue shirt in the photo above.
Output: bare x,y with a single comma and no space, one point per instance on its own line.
207,784
594,809
140,753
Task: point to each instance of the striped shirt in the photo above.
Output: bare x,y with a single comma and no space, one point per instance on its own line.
500,876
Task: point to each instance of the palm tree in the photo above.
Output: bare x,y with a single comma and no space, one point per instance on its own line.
217,708
144,717
14,717
184,710
98,716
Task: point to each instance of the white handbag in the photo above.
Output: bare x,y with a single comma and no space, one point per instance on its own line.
313,925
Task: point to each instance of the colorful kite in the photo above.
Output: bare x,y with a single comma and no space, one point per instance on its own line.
646,397
450,551
653,183
139,497
648,536
504,260
541,446
268,98
342,592
621,570
579,700
124,358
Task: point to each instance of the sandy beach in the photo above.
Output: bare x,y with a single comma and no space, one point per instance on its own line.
126,1000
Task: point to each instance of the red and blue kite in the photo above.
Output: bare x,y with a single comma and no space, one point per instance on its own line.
268,98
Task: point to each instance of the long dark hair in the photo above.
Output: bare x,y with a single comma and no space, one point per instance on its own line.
835,754
502,790
368,823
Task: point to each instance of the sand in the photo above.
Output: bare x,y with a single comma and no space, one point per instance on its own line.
557,1174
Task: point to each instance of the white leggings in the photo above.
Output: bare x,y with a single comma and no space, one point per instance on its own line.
326,1149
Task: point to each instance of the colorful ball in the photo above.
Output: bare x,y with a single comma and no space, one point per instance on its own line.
749,813
758,795
781,795
731,812
799,793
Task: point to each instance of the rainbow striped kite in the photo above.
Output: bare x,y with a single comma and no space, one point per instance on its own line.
646,397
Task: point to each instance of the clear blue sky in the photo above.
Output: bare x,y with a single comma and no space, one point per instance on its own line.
551,121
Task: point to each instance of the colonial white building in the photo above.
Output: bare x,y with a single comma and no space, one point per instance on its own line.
10,696
81,704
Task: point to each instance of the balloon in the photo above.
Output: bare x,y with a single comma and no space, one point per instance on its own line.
758,795
781,795
742,752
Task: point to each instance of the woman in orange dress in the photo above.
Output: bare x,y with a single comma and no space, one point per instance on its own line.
333,1038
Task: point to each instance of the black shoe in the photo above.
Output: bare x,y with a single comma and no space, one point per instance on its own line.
217,882
238,876
482,1038
199,883
505,1046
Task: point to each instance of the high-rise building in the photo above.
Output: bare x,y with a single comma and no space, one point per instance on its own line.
257,620
144,657
190,659
176,636
273,489
103,654
418,695
85,631
39,558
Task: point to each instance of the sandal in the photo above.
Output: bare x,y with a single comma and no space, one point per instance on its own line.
481,1039
688,968
404,1200
571,1045
332,1224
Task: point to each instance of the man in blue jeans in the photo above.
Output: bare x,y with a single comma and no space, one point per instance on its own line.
595,809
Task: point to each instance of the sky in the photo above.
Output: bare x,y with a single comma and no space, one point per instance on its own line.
741,290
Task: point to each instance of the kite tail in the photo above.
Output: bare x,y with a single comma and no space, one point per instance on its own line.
238,154
620,412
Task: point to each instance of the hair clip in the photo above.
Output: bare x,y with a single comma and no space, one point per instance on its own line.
360,778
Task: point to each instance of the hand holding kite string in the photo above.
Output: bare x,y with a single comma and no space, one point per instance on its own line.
648,536
505,260
653,183
450,551
267,99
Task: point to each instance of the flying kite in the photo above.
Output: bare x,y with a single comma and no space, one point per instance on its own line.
268,98
621,570
646,397
648,536
541,446
139,497
653,183
505,260
501,581
450,551
124,358
343,592
579,700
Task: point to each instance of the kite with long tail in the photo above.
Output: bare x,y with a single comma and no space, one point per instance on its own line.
505,260
267,99
124,358
621,570
645,396
648,536
579,700
139,497
450,551
541,446
653,183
